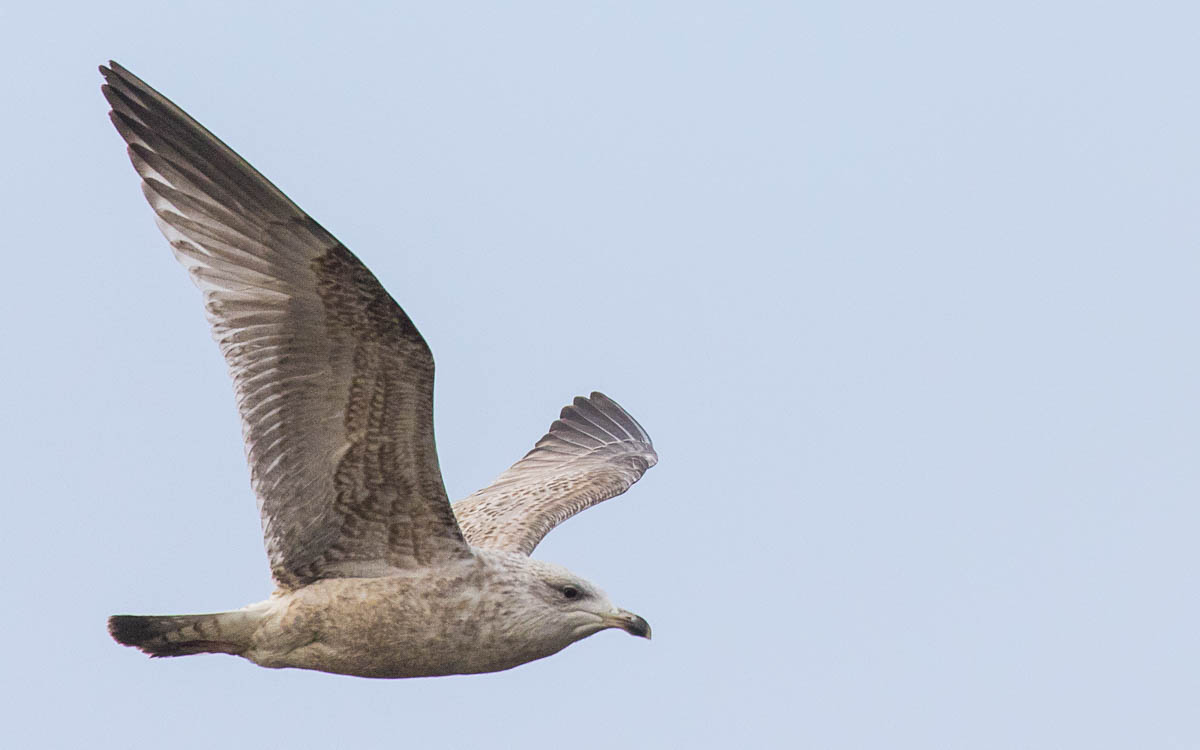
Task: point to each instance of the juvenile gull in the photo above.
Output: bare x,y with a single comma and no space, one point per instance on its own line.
376,573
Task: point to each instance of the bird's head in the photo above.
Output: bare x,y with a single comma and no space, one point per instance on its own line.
584,605
563,608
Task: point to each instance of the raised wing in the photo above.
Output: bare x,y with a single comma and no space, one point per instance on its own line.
333,381
594,451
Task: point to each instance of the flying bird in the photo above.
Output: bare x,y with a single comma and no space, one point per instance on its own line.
376,573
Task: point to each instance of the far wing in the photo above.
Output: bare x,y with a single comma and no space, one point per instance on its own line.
594,451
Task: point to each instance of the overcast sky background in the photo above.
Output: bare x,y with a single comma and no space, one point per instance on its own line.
905,293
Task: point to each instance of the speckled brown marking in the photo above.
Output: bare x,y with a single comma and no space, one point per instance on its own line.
386,499
594,450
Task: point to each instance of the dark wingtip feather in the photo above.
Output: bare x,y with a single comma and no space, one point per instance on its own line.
113,72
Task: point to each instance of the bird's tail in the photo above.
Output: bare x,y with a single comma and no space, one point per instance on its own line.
181,635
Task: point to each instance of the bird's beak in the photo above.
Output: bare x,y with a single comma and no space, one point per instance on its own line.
629,622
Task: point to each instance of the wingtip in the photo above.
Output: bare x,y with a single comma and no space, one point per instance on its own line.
602,401
117,75
111,69
593,399
618,414
112,80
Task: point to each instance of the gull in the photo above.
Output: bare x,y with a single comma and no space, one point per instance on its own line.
376,573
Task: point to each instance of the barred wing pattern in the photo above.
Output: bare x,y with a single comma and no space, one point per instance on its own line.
594,450
333,381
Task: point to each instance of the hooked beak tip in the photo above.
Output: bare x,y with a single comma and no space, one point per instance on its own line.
632,624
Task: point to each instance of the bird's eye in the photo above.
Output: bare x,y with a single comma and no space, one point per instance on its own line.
570,592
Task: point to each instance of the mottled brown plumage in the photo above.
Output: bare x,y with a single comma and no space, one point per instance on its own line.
593,451
335,389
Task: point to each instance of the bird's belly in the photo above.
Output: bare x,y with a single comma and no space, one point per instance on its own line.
386,628
395,659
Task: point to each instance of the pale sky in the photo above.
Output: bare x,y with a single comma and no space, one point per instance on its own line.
905,293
